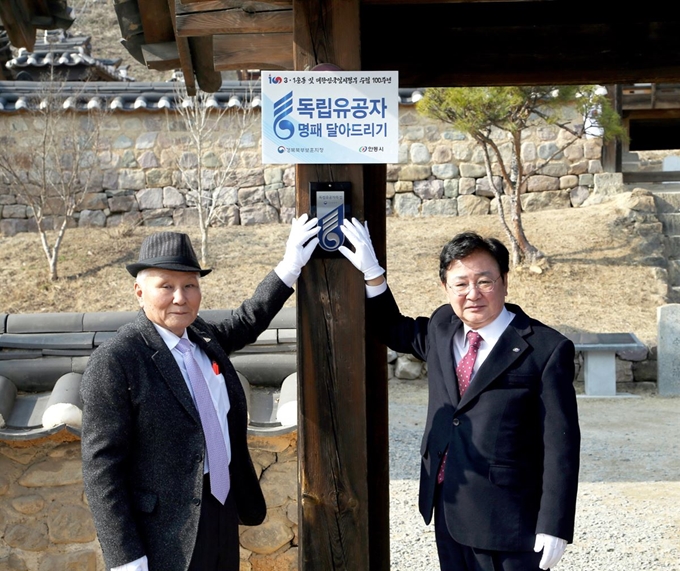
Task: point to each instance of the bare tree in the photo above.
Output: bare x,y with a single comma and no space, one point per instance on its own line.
484,112
207,161
54,177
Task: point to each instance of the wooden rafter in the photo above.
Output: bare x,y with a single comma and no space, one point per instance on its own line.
253,51
234,21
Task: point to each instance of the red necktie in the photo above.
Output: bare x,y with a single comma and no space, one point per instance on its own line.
463,372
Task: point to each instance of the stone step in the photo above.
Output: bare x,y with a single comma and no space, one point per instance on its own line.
654,187
670,223
674,272
673,246
667,200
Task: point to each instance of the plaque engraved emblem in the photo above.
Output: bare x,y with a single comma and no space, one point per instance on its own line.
330,209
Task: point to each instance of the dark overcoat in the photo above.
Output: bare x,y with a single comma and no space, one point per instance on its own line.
513,439
142,442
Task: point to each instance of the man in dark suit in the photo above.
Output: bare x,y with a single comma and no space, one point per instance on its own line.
166,466
500,453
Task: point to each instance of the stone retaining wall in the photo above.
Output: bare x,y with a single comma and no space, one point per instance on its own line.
440,172
46,525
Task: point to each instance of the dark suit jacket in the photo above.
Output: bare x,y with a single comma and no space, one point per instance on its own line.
513,439
142,442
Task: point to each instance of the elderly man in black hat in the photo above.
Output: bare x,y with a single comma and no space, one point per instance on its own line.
166,466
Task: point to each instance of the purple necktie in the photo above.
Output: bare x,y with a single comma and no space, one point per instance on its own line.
214,438
463,372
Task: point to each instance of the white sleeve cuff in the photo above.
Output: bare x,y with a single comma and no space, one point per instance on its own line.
141,564
286,274
375,291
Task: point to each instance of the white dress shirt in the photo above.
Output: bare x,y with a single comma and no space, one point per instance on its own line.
490,333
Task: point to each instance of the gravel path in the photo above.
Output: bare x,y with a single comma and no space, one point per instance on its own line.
628,513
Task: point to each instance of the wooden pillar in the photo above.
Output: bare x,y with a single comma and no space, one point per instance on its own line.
342,375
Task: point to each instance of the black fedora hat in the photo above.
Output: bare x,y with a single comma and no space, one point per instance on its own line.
167,251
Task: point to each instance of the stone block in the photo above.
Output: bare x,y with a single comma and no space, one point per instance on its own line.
445,170
540,183
94,201
392,172
549,151
419,154
131,179
150,198
442,154
415,172
451,187
472,170
258,214
568,181
146,140
557,169
13,562
469,205
14,211
92,219
548,200
79,561
606,187
406,204
428,189
173,198
403,186
122,203
529,152
12,226
251,196
444,207
407,368
273,175
71,524
483,188
579,167
467,185
31,536
148,160
668,349
279,483
579,195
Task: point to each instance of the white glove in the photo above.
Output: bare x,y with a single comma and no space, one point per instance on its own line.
302,231
141,564
363,258
553,549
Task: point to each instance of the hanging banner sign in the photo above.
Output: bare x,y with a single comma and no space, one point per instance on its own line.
319,117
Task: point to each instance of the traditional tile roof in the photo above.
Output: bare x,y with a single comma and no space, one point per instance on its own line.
43,356
67,57
132,96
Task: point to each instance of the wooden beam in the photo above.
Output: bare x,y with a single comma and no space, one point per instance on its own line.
207,77
245,4
156,16
253,51
234,21
188,6
16,19
184,54
343,475
161,57
653,177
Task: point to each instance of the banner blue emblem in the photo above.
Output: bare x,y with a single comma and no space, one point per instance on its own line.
282,108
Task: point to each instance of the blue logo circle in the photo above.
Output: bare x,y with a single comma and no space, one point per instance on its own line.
281,149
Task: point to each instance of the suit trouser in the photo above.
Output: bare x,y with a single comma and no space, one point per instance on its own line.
456,557
217,545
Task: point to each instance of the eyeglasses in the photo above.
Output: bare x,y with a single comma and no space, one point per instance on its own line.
484,285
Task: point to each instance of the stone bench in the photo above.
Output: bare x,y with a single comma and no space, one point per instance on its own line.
43,356
599,359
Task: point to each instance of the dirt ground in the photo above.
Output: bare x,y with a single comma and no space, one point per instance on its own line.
595,281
